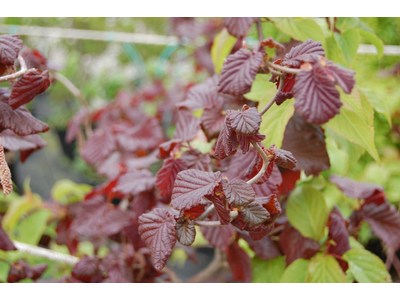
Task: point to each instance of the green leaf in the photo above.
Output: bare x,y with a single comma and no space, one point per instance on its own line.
346,23
307,211
348,43
354,244
358,102
333,51
268,271
373,39
296,272
366,266
379,103
354,127
31,228
4,269
261,88
66,191
274,122
325,269
223,44
300,29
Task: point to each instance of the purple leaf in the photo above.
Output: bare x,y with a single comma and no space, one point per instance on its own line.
355,189
338,233
98,146
185,232
239,72
20,120
204,96
187,126
253,214
265,248
10,45
5,242
238,192
157,229
196,160
224,146
238,27
28,87
301,53
295,246
166,148
239,262
219,237
285,159
87,270
191,185
246,122
167,174
212,122
136,182
307,144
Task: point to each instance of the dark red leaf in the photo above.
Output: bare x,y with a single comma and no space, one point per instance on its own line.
338,233
355,189
20,120
28,87
317,99
147,135
219,200
270,43
341,76
157,229
98,147
167,174
98,218
185,232
187,126
301,53
5,242
224,146
166,148
265,248
259,232
191,185
25,144
238,27
194,212
219,237
239,164
20,270
239,71
87,269
271,186
253,214
204,96
246,122
307,144
289,179
272,205
239,263
295,246
196,160
244,141
135,182
36,271
34,59
238,192
74,125
384,220
285,159
10,45
212,122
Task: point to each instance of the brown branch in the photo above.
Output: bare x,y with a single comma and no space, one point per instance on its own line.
197,222
171,274
264,166
210,270
21,72
259,30
270,103
283,69
207,212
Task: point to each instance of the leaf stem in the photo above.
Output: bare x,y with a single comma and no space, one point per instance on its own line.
211,269
207,223
264,166
272,101
21,72
283,69
207,212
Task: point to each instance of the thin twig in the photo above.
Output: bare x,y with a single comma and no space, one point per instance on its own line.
21,72
46,253
171,274
207,212
259,30
210,270
207,223
276,73
283,69
272,101
276,230
264,166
